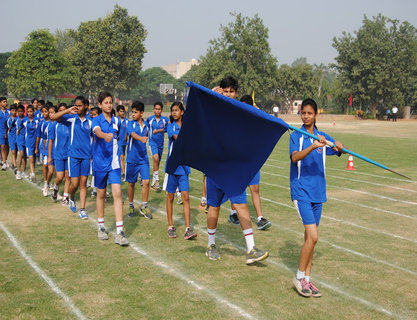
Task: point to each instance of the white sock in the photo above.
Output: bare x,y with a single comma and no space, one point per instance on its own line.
204,199
250,241
144,204
259,218
65,194
300,274
100,222
211,236
307,278
119,226
233,212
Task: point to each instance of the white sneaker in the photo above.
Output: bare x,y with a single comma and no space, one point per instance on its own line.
18,175
32,178
4,166
45,191
24,175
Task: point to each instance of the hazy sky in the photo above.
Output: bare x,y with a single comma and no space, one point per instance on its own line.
179,30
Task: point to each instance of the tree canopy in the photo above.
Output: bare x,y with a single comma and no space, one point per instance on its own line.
4,72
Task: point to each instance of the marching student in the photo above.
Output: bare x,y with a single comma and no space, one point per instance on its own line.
38,105
79,151
94,112
179,179
158,126
308,188
121,113
216,196
59,137
31,125
106,166
4,114
11,134
41,145
137,161
20,140
49,150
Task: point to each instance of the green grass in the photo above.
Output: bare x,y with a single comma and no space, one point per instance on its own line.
364,261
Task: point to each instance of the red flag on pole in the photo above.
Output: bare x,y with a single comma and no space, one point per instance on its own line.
350,100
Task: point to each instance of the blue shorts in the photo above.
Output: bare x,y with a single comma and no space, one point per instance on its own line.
61,165
79,167
216,196
30,151
156,149
255,180
2,139
310,213
21,147
12,142
133,170
174,181
113,176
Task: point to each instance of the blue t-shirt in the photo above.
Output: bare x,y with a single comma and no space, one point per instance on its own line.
12,126
155,124
31,129
38,114
81,138
61,140
4,115
105,154
50,136
136,150
174,128
43,135
307,176
20,138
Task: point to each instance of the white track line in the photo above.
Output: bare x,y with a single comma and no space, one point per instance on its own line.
42,274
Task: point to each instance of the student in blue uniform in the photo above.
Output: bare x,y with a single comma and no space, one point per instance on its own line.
158,125
137,159
180,177
121,114
20,139
79,153
4,114
49,150
31,128
106,166
41,145
308,188
59,136
11,135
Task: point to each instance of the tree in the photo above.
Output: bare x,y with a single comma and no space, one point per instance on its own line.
241,51
39,68
4,73
109,52
378,65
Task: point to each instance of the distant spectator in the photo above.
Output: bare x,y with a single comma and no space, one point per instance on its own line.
275,109
394,113
388,114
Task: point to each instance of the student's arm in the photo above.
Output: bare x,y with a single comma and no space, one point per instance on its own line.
171,131
102,135
37,144
135,136
58,115
158,131
50,144
300,155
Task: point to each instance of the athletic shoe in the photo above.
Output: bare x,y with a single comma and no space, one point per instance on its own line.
4,166
172,232
59,197
146,212
18,176
263,224
38,162
212,253
120,239
32,178
314,291
102,234
156,187
256,255
65,201
302,287
54,195
179,198
233,218
131,213
14,169
206,209
24,175
45,191
82,214
189,234
72,205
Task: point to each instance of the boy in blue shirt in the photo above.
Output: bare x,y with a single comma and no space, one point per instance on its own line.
41,145
158,126
106,166
20,139
121,111
31,125
4,114
11,135
137,159
79,153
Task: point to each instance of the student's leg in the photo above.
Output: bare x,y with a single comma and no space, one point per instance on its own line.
45,172
51,169
32,164
145,191
19,160
186,207
59,176
67,183
83,191
4,153
75,181
256,199
130,191
101,195
244,215
117,201
14,156
170,200
122,163
212,217
155,158
306,255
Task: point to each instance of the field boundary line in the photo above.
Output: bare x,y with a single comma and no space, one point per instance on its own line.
68,303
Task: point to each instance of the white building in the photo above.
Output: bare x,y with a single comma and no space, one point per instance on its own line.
178,69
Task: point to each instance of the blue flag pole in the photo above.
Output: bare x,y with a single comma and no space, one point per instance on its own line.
331,144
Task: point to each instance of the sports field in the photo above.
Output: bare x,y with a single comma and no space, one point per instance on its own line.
53,267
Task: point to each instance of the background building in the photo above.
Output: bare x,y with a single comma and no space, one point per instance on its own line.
178,69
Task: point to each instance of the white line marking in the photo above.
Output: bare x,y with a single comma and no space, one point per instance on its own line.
42,274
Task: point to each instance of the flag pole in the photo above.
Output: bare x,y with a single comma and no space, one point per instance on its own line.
331,144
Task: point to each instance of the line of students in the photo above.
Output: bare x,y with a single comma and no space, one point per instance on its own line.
71,142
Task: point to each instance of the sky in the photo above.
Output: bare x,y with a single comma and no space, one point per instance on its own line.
179,30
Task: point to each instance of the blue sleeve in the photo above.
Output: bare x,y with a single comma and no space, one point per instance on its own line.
96,123
166,124
170,130
51,131
130,128
39,130
294,142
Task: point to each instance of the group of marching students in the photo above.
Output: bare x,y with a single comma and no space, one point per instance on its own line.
76,141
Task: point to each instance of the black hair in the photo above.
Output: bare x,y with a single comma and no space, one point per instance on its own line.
53,107
49,104
3,98
247,99
179,105
13,106
120,107
62,104
96,109
103,95
33,100
86,102
313,104
41,102
113,112
20,107
229,82
158,103
138,105
30,107
81,98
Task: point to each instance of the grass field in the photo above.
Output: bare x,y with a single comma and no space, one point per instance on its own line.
53,267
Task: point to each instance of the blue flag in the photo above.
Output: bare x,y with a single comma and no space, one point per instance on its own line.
226,139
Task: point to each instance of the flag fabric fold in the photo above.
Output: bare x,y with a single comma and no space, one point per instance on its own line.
226,139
